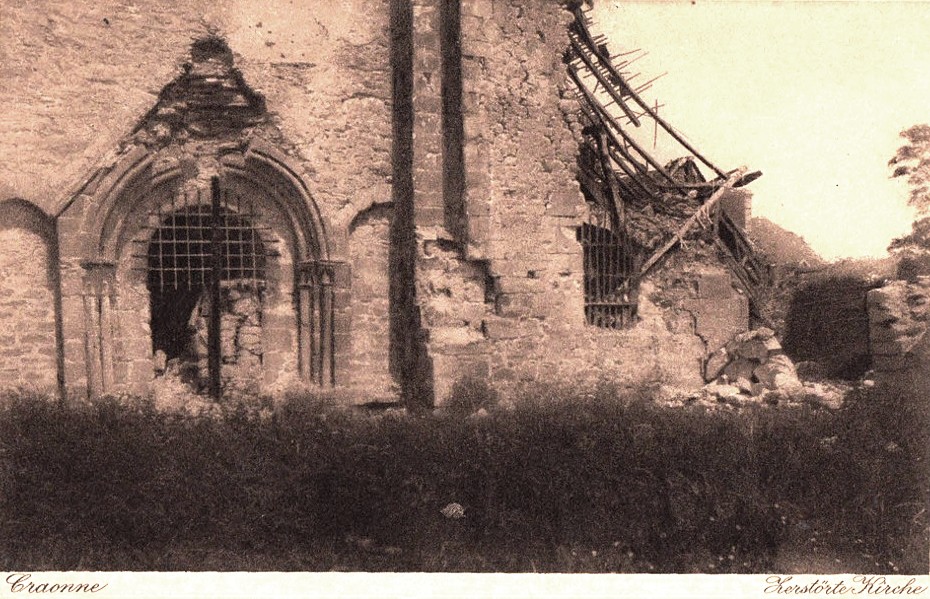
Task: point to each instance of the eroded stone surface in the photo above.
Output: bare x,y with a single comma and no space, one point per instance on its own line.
899,314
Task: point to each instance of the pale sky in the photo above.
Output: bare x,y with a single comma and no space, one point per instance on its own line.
813,94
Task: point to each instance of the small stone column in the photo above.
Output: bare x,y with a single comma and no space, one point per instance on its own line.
323,303
99,299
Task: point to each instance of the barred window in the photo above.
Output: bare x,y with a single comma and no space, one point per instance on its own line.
609,293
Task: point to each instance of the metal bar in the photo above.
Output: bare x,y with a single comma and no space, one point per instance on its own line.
187,238
253,255
231,227
227,259
320,329
161,261
174,231
214,339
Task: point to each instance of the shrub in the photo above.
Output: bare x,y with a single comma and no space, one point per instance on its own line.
567,480
470,394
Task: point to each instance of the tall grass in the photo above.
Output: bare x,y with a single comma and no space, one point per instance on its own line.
563,481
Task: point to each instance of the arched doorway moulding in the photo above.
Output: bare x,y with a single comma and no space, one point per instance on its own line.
113,214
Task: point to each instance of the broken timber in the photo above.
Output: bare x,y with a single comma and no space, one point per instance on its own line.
703,214
618,173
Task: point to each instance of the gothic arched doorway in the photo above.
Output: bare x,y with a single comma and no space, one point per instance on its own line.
147,267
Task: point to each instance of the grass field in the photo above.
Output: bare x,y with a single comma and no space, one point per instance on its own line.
561,481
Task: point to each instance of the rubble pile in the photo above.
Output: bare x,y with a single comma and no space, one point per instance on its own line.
753,368
751,363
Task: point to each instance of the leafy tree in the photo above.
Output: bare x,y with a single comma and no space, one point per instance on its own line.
912,160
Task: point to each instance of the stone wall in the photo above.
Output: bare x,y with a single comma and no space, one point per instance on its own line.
827,322
431,145
83,78
368,254
28,278
495,205
80,75
502,297
899,318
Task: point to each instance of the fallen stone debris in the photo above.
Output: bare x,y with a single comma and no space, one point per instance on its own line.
752,368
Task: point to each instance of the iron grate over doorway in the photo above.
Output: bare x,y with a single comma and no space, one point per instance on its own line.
205,264
181,250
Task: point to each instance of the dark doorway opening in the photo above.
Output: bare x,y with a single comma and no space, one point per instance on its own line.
171,316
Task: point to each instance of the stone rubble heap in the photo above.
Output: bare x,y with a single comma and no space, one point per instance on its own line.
752,363
751,368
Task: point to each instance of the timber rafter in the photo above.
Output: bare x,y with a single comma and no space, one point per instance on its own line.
628,176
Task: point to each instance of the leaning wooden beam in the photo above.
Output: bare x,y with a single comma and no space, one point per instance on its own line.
582,21
747,179
671,131
582,53
611,178
622,161
621,158
755,302
615,126
609,67
586,101
702,212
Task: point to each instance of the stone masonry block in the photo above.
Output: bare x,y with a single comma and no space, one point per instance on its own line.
524,284
498,328
715,285
565,203
519,304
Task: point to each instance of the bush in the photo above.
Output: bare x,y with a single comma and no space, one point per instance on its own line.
470,394
565,480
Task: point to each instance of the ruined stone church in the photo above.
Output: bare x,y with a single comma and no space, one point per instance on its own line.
384,197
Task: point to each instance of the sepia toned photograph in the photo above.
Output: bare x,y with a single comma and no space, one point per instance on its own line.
465,286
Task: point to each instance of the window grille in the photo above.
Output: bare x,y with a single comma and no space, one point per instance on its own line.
609,294
180,250
203,241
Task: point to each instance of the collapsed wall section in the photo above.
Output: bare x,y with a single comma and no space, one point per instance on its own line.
827,322
899,319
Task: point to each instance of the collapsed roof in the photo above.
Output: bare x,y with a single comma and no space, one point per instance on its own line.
651,206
